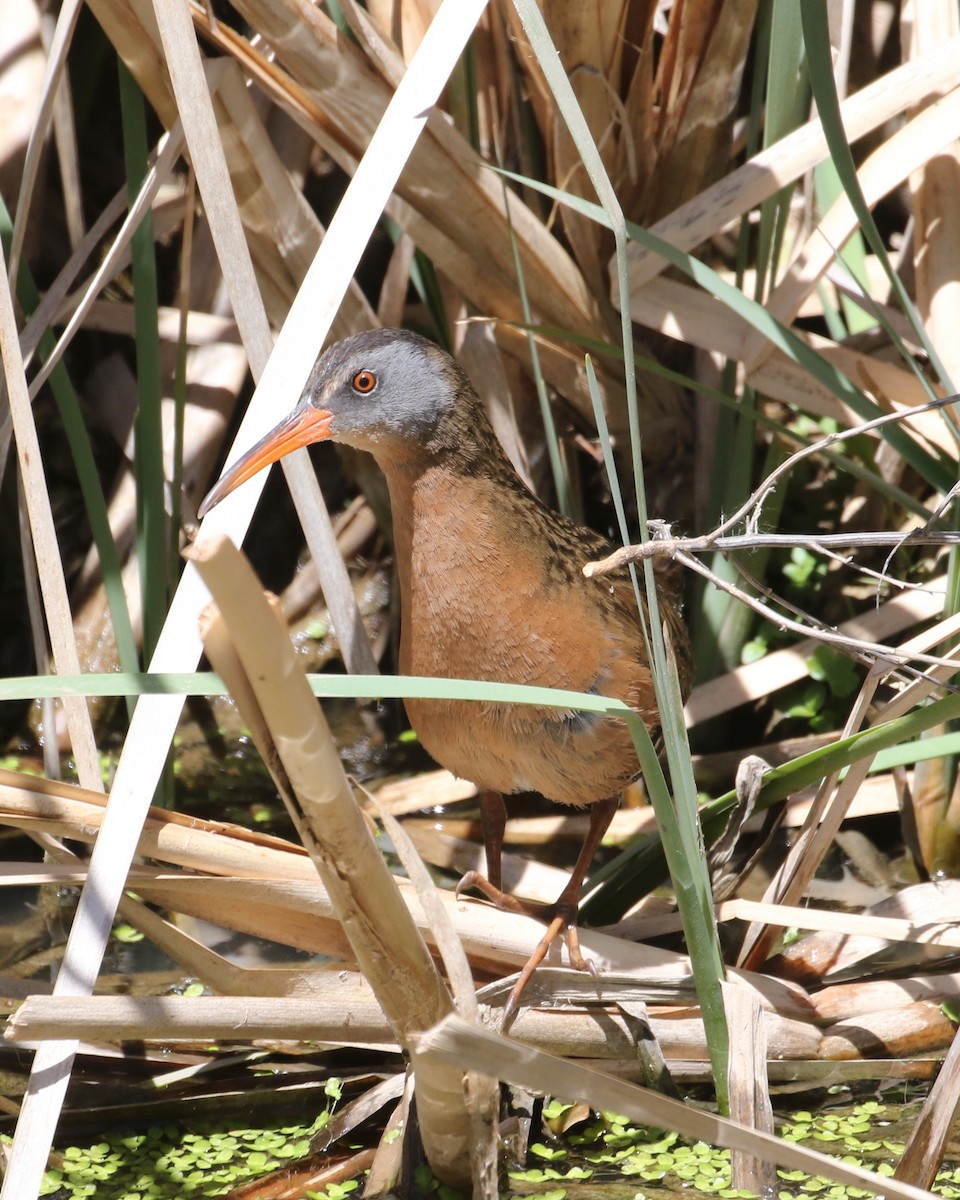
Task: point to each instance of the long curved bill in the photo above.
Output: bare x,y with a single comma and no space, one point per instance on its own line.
303,427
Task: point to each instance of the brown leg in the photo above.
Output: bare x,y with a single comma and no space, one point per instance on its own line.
562,915
493,820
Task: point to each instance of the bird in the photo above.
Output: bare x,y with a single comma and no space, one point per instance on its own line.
491,588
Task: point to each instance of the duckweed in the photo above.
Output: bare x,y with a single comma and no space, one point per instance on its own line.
622,1152
165,1163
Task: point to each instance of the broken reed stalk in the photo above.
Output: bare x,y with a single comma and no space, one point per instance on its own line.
456,1041
749,1094
316,1014
931,1131
249,645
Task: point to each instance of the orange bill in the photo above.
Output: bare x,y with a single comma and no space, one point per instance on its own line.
303,427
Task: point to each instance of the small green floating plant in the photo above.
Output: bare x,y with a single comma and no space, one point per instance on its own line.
608,1149
166,1163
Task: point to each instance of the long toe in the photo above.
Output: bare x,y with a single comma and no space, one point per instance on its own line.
563,922
511,1007
503,900
571,936
473,879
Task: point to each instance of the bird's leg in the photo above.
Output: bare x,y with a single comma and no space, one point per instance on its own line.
562,915
493,820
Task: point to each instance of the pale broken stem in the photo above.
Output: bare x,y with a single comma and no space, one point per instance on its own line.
928,1139
318,1015
49,563
749,1092
482,1092
833,802
448,943
306,768
456,1041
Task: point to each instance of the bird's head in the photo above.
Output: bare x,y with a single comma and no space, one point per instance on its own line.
387,391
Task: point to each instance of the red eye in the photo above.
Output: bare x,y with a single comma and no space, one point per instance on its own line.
364,382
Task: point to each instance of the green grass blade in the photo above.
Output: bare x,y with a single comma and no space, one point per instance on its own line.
784,110
816,36
91,489
148,453
561,480
206,683
679,814
939,471
642,867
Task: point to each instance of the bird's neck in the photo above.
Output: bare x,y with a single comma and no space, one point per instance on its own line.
451,506
430,499
441,480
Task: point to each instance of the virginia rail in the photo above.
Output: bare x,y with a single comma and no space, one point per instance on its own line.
491,588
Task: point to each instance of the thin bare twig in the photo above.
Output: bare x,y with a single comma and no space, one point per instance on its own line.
749,512
822,543
872,651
